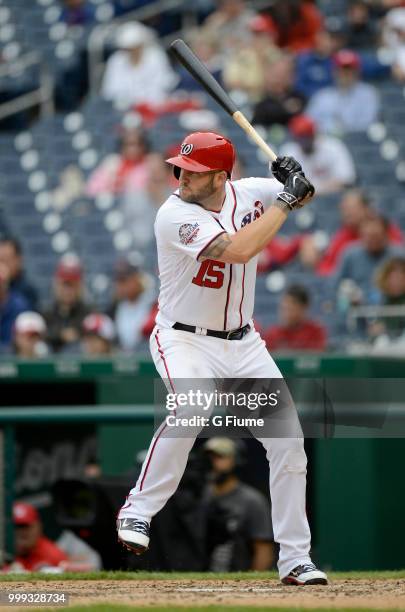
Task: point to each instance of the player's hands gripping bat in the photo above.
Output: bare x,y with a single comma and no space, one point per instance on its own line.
297,191
282,167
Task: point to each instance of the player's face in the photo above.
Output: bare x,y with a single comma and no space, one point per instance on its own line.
198,186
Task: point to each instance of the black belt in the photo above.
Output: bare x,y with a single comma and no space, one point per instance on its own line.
234,334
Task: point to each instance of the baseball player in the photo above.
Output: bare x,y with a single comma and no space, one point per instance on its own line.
209,234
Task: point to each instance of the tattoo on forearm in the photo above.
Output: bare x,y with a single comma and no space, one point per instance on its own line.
216,248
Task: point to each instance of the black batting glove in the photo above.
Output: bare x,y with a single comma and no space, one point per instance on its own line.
298,190
283,167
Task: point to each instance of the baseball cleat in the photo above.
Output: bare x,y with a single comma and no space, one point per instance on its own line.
304,574
133,534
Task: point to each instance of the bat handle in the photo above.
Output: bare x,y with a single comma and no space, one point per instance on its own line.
250,130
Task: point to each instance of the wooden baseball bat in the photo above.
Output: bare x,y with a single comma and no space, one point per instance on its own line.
196,68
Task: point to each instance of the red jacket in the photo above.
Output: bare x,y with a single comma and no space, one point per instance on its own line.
309,335
45,552
341,240
301,34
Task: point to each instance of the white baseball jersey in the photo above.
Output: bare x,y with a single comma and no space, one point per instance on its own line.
211,294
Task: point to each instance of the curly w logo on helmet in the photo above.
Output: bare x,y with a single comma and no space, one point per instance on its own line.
186,148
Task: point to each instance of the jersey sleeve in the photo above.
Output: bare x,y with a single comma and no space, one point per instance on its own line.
190,230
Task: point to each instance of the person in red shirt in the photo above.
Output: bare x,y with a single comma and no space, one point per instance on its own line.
33,550
296,331
297,23
354,210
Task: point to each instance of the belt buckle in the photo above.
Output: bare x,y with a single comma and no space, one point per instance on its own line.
232,333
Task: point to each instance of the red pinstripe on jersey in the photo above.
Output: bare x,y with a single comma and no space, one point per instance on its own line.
244,266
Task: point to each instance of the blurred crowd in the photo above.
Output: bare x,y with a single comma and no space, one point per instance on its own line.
289,65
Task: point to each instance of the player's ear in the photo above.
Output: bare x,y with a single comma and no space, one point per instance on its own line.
221,178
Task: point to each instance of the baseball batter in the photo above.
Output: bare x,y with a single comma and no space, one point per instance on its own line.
209,234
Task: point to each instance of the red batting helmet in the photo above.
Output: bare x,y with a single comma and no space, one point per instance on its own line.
204,151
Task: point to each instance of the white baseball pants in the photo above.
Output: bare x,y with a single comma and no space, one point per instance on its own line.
179,354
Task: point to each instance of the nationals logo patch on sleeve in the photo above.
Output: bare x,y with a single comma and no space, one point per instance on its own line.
188,232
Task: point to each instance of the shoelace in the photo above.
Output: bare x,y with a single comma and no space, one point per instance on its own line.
306,567
141,526
135,525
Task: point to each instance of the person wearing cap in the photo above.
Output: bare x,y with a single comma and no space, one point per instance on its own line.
237,517
33,550
326,158
350,105
139,72
65,316
245,69
98,335
133,299
29,334
12,303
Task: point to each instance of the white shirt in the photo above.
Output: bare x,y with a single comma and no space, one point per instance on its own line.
210,295
329,161
148,81
344,110
130,317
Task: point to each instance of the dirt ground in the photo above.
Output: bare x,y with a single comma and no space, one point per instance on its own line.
340,593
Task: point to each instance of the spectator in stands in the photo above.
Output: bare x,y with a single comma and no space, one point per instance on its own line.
296,332
348,106
134,296
207,49
239,535
11,255
139,72
359,262
390,280
314,68
29,335
228,26
281,102
140,207
65,317
98,335
12,303
33,550
361,28
125,171
297,23
245,69
354,211
325,158
394,38
77,12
